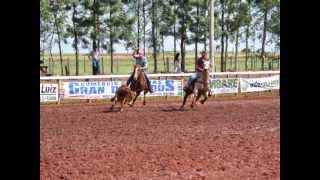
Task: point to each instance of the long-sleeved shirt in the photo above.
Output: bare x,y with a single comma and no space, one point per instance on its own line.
95,55
201,64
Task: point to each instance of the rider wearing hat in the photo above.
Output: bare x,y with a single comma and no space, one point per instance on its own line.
201,64
142,61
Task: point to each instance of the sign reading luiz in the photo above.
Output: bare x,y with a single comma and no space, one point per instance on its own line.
48,92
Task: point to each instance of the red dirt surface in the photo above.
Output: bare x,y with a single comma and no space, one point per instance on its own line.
220,140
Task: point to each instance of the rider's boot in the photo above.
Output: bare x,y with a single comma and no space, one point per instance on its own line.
150,89
149,86
189,87
192,84
209,92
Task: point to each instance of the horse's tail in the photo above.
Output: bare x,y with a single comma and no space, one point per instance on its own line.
113,98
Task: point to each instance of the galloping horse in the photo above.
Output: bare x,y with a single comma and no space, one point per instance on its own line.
123,95
201,88
139,84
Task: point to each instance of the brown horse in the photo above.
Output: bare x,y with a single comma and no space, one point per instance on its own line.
200,88
123,95
139,84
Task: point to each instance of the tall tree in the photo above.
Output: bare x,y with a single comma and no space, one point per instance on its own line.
77,29
239,21
59,16
195,28
154,38
183,13
222,27
247,24
265,7
119,25
166,22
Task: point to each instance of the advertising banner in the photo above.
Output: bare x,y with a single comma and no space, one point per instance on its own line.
224,86
48,92
260,84
90,90
166,88
107,89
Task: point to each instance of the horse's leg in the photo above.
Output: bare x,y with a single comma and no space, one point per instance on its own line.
135,98
144,97
194,98
184,100
114,100
121,107
205,98
198,97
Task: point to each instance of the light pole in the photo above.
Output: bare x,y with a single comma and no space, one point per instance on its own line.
211,36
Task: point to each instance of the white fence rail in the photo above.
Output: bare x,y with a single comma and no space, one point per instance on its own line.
155,75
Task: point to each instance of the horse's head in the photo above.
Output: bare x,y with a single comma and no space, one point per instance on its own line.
205,72
136,71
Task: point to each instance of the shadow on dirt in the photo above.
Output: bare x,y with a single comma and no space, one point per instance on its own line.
176,109
115,110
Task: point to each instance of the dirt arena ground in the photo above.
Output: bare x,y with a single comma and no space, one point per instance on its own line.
236,139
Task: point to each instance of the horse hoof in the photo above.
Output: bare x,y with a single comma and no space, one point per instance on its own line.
144,103
202,102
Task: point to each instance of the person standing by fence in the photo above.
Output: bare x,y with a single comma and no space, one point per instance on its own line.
95,58
177,63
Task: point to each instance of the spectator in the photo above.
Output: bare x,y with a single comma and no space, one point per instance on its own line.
177,63
95,58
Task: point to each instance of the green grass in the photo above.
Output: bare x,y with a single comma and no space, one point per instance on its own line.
123,64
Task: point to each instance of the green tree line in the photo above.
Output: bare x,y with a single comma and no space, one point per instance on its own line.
146,23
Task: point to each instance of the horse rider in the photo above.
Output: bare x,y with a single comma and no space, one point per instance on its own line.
201,64
140,59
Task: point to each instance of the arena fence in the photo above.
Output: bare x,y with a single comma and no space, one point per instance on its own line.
64,88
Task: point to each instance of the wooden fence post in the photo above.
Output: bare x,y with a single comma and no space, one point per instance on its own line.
167,64
59,94
239,86
182,85
166,92
238,79
88,100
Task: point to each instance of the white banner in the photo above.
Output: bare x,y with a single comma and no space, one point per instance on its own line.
107,89
48,92
224,86
90,90
260,84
